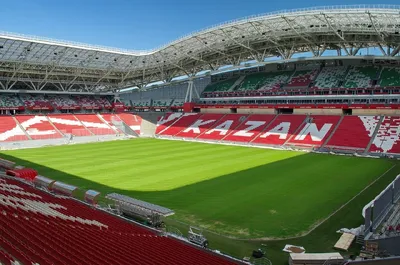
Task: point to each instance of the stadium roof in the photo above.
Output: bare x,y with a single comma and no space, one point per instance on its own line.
45,64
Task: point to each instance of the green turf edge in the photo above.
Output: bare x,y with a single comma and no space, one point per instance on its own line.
322,239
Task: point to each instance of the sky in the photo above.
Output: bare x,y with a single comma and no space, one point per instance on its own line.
132,24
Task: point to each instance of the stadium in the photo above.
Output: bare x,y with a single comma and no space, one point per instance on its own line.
250,142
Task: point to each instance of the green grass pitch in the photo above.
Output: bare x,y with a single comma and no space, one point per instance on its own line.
236,191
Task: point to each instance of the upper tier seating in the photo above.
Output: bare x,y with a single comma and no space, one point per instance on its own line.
88,102
280,130
329,77
36,227
390,77
387,139
36,102
38,127
10,101
354,132
103,102
221,85
302,78
126,102
315,132
68,124
264,81
133,121
178,102
64,102
10,131
162,103
144,103
93,123
361,76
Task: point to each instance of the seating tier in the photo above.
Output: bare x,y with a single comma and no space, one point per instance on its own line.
181,123
280,130
223,127
200,125
390,77
387,139
109,119
329,77
10,131
302,78
133,121
94,124
165,121
361,76
36,102
354,132
249,128
10,101
38,127
68,124
221,85
315,132
36,227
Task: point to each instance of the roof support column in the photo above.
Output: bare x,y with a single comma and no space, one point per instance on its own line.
191,88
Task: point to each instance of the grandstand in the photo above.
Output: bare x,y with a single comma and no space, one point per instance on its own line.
99,237
239,83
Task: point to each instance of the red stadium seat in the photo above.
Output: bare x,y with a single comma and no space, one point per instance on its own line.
36,227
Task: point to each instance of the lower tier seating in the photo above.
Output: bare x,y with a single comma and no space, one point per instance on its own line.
354,132
38,228
182,122
38,127
202,124
315,131
280,130
133,121
93,123
223,127
109,119
387,139
249,128
10,130
167,120
68,124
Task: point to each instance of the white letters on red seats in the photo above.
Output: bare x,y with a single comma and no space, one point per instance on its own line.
37,205
252,125
222,128
388,134
195,126
312,130
281,130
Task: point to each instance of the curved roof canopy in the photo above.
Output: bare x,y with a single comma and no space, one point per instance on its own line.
45,64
